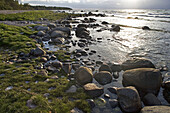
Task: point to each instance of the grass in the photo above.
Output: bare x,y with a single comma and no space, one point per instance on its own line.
34,16
26,81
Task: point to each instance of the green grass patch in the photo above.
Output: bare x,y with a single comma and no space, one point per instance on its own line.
34,16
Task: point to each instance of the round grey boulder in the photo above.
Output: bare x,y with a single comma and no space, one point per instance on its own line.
129,100
103,77
84,75
146,80
137,63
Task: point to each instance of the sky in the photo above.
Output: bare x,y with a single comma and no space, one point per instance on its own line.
104,4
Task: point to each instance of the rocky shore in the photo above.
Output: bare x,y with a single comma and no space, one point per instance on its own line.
141,79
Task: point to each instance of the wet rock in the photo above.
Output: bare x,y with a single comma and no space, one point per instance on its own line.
67,68
82,32
155,109
106,96
45,39
99,62
137,63
115,75
84,75
91,103
105,67
81,44
104,22
166,85
51,25
58,40
38,52
145,28
115,28
53,57
113,90
151,100
146,80
75,66
66,30
72,89
58,34
103,77
166,94
40,33
57,64
113,103
92,90
115,67
129,100
82,25
42,73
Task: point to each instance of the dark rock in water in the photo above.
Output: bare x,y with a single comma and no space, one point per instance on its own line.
104,22
116,75
105,67
45,39
103,77
99,62
53,57
82,25
145,28
92,90
129,100
113,90
84,75
75,66
91,103
115,28
115,67
151,100
58,34
137,63
146,80
155,109
65,30
166,85
113,103
81,44
82,32
106,95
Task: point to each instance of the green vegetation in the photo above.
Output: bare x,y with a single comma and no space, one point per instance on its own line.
28,83
14,5
34,16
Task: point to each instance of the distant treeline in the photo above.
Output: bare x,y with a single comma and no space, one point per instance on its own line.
14,5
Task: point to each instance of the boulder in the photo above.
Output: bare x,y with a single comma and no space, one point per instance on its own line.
92,90
42,28
113,90
58,40
51,25
40,33
113,103
103,77
105,67
57,64
151,100
156,109
82,32
145,28
115,67
115,28
104,22
129,100
58,34
38,52
66,68
146,80
63,29
137,63
84,75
